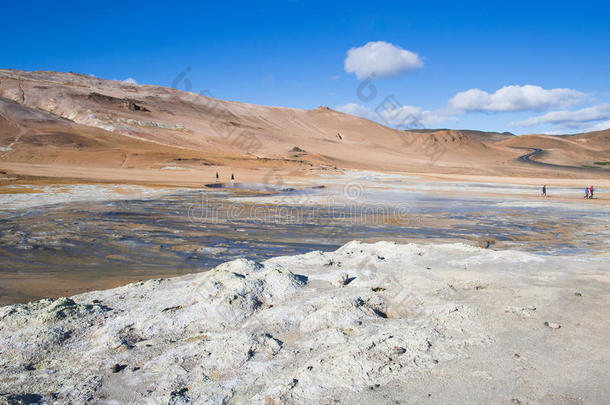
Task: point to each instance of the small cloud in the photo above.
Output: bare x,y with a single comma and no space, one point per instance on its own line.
335,77
570,119
357,110
392,114
579,128
130,80
381,59
600,126
515,98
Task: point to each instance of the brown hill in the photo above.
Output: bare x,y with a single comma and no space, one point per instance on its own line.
597,139
67,125
576,150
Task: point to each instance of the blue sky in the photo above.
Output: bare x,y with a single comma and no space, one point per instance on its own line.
293,53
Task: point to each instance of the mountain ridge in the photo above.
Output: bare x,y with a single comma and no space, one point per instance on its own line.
154,127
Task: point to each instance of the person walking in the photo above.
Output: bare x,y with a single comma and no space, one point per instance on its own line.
544,191
216,177
232,180
587,193
591,192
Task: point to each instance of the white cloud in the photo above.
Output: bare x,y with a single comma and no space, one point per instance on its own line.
130,80
516,98
569,119
381,59
393,115
357,110
600,126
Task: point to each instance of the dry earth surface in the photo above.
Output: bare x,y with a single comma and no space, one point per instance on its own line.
369,323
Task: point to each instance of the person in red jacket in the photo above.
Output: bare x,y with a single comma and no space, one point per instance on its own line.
591,192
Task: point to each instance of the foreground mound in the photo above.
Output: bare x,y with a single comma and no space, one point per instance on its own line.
369,323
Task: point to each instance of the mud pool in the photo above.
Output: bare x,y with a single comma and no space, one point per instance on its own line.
69,247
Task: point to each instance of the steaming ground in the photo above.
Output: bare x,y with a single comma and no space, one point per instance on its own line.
19,197
59,240
368,323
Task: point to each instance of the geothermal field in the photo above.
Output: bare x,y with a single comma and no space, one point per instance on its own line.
161,246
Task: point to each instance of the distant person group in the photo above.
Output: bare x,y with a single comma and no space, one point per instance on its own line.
588,192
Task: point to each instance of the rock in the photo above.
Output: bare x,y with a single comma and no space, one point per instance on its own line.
26,399
399,350
118,368
178,396
578,294
171,309
60,308
63,308
552,325
525,312
343,280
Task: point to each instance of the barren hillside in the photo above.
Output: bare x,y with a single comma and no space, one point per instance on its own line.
71,125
